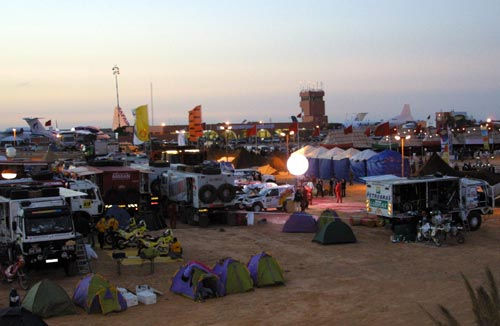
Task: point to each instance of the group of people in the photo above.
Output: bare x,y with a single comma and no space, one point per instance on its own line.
337,188
104,226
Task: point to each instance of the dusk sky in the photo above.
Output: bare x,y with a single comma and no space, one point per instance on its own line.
247,59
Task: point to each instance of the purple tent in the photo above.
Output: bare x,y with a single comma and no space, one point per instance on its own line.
265,270
191,277
95,294
300,222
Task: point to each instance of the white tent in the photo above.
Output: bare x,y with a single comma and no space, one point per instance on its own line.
316,152
331,153
304,150
364,155
346,154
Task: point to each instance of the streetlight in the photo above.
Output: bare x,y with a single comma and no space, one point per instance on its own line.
116,72
398,137
14,132
226,127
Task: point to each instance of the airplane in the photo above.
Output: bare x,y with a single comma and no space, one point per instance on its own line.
54,135
39,130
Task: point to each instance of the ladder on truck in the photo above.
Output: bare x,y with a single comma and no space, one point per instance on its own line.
82,259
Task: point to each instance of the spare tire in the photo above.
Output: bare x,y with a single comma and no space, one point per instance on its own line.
226,192
207,194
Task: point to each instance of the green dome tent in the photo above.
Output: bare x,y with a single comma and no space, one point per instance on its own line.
234,276
48,299
335,232
265,270
326,216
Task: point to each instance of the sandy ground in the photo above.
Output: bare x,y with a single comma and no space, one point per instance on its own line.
372,282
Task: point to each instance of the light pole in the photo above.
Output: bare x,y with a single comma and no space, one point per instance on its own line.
116,72
398,137
226,127
14,132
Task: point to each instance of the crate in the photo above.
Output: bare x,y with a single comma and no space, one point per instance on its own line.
146,297
131,299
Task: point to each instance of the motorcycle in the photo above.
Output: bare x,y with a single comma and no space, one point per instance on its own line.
438,228
162,243
16,270
124,238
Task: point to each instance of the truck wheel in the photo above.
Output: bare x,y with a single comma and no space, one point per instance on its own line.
257,207
226,192
475,221
207,194
108,239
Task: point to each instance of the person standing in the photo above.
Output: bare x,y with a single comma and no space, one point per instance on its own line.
319,188
101,228
172,215
351,177
344,186
338,192
112,226
332,185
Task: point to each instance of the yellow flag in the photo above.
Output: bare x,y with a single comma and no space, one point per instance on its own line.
141,127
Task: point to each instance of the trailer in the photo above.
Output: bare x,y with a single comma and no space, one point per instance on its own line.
395,198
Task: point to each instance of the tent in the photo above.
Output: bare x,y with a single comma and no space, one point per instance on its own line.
46,299
325,164
386,162
196,281
234,277
341,167
267,169
18,316
436,164
265,270
304,150
328,215
120,214
335,232
313,158
358,164
96,295
300,222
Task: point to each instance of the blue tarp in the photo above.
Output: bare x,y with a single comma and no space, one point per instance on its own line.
313,170
341,168
359,170
325,168
386,162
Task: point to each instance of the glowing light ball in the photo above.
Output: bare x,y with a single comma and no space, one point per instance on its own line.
297,164
10,152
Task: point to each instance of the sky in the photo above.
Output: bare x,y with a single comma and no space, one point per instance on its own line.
247,59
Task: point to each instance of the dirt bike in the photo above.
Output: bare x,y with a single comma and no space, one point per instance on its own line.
125,238
161,243
16,270
438,228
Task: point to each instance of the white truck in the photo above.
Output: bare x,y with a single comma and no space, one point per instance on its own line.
270,197
37,221
465,199
197,191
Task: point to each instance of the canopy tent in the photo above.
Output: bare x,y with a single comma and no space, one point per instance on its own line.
386,162
335,232
233,275
196,281
97,295
46,299
346,154
325,164
304,150
358,164
313,158
265,270
300,222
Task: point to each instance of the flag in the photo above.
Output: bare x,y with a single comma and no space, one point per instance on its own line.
348,130
316,132
119,119
367,132
141,126
294,127
428,117
48,123
294,119
252,131
299,115
382,129
195,125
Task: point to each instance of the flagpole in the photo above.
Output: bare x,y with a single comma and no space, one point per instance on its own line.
152,113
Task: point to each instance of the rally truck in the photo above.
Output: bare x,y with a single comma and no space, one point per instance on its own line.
465,199
199,192
270,197
36,220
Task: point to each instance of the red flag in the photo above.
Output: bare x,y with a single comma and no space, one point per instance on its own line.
382,129
316,132
348,130
252,131
294,127
418,129
48,123
299,115
367,132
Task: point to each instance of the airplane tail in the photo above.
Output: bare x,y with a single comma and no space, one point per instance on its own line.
36,126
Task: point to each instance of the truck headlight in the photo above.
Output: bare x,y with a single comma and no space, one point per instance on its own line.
389,209
368,205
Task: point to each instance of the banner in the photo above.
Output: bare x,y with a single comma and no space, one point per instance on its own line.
141,126
484,135
445,146
195,124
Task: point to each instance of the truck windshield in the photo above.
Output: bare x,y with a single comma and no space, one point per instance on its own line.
47,225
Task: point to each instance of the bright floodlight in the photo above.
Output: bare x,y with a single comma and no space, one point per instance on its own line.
408,136
397,137
488,120
297,164
9,174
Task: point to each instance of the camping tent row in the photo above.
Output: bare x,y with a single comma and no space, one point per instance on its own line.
197,281
338,163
